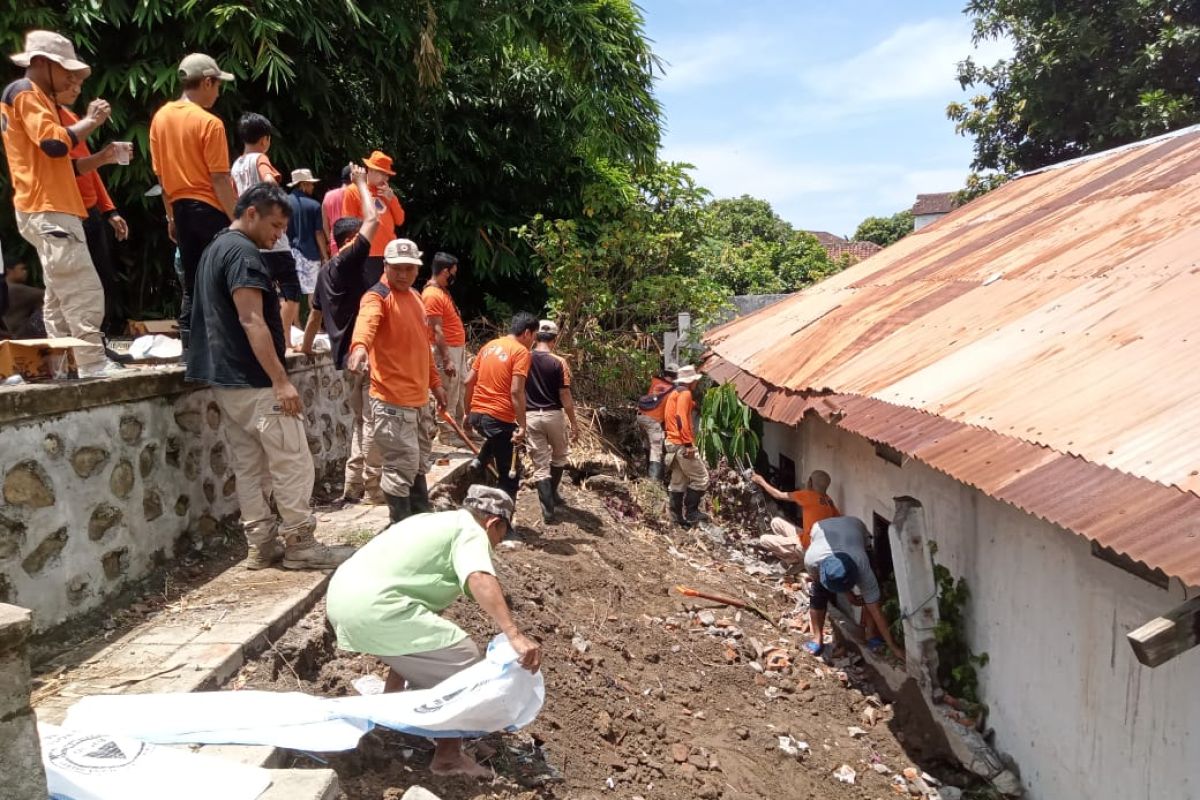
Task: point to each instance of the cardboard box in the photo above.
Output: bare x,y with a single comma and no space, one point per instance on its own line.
145,327
38,359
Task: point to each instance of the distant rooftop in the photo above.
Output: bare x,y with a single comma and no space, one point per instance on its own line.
940,203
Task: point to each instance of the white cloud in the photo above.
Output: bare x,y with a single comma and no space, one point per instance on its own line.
712,59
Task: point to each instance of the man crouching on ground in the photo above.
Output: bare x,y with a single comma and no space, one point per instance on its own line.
386,600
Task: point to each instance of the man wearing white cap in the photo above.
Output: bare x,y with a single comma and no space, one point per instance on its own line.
49,208
548,407
685,464
305,231
190,156
391,334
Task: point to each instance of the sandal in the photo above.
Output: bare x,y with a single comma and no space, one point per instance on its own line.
814,648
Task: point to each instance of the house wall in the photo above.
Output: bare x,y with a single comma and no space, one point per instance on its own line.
1068,700
103,481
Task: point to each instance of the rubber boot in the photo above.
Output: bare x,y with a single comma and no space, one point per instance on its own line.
556,476
418,495
398,507
691,507
301,550
545,490
265,549
675,504
656,471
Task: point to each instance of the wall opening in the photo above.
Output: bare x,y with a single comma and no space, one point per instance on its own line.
880,553
785,477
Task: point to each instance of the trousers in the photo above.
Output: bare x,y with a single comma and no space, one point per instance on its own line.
654,434
196,224
398,437
365,465
454,391
686,473
548,442
497,448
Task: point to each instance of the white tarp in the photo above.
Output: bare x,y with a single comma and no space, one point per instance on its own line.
494,695
155,346
92,766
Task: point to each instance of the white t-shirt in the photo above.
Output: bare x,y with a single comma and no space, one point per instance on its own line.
245,174
843,535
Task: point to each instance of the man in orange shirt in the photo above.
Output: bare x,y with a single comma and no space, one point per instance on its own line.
190,156
495,390
102,213
49,208
391,335
391,213
685,465
650,417
448,337
787,542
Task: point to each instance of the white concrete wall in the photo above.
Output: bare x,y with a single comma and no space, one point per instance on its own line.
921,220
1069,702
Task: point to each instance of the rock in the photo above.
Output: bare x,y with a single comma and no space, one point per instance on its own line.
213,414
130,429
210,492
229,487
706,618
147,459
845,774
53,445
191,464
120,482
757,667
77,591
217,460
104,516
708,792
855,732
919,787
580,644
27,484
870,715
950,793
45,553
910,774
688,771
207,527
152,506
182,504
87,461
679,752
603,725
419,793
12,537
188,420
742,733
174,448
698,761
882,769
115,562
713,764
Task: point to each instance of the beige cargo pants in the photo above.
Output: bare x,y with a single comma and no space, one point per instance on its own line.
686,473
783,541
74,301
404,436
455,397
654,435
268,449
364,466
549,446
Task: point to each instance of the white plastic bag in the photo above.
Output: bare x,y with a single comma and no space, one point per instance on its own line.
155,346
496,694
90,766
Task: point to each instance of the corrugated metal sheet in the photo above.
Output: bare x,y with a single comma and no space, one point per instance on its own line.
1057,311
1156,525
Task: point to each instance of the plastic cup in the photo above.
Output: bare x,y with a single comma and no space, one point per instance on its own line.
124,152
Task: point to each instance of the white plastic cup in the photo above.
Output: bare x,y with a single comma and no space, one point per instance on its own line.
124,152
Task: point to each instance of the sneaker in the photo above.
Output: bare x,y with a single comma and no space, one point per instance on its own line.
108,369
314,555
267,554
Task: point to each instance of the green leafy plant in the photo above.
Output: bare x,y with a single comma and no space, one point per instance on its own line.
958,667
726,428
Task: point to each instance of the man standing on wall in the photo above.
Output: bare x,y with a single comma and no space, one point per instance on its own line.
49,208
305,232
341,284
495,391
391,333
391,213
685,465
237,348
650,417
190,156
549,406
786,541
448,337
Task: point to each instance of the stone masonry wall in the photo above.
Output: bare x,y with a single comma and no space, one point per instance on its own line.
22,773
104,480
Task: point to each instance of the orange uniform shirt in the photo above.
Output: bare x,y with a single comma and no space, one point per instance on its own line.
91,188
677,417
392,326
439,303
814,507
391,215
495,366
38,148
187,147
658,386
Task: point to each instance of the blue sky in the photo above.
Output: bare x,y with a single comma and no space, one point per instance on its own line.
830,111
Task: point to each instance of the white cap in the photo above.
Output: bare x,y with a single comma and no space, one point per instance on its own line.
548,326
402,251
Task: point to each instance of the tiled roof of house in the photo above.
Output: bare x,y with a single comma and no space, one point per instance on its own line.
940,203
856,250
826,238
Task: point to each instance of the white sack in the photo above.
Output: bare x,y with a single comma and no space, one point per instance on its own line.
155,346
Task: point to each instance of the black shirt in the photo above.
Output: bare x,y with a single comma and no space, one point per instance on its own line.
341,285
219,351
548,374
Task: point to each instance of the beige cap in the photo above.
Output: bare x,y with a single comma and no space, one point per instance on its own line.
490,501
402,251
51,45
302,176
548,326
198,65
687,374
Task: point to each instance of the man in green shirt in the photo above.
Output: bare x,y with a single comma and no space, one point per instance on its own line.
386,599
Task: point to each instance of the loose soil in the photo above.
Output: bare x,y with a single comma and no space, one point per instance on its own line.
643,698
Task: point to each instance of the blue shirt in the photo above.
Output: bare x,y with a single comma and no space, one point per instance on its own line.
304,224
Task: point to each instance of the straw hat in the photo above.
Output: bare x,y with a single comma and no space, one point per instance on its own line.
300,176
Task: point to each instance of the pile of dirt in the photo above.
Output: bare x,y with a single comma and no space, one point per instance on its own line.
648,694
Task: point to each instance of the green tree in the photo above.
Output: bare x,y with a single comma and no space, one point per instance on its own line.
1083,77
494,111
885,230
749,249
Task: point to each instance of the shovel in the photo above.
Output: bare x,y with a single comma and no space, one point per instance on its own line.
725,601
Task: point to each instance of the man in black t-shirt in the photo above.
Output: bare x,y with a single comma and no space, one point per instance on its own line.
548,407
341,284
237,348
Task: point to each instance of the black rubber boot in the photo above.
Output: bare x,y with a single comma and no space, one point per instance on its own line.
418,496
656,470
675,504
398,508
691,507
556,476
545,490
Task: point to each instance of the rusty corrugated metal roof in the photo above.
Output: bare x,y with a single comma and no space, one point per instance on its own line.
1053,311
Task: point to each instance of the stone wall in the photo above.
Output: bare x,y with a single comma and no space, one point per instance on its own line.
105,480
23,776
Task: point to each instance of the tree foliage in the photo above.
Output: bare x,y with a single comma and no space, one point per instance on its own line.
1083,77
726,428
749,249
885,230
494,111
